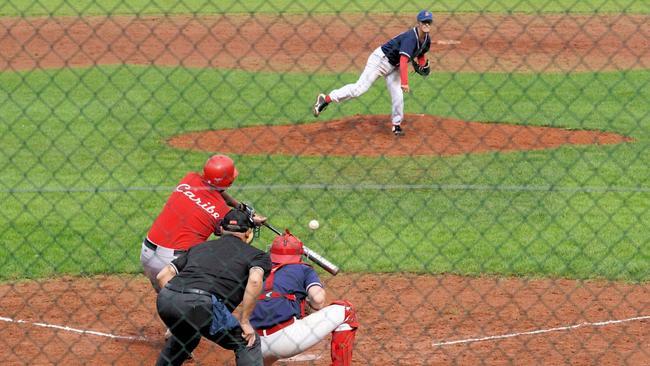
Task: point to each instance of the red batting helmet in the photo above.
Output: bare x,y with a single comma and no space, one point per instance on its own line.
286,249
219,171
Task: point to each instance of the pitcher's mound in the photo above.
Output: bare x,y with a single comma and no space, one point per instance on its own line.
370,135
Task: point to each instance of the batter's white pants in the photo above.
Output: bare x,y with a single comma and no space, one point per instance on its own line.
304,333
376,66
153,261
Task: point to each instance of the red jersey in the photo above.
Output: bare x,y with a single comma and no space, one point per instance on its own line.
190,215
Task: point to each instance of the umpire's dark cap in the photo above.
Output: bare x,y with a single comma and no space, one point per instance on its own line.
237,221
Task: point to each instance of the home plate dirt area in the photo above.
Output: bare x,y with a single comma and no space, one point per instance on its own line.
405,320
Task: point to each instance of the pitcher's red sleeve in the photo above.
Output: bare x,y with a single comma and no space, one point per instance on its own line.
422,60
404,69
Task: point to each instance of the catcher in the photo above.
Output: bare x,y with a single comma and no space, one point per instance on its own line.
391,61
280,313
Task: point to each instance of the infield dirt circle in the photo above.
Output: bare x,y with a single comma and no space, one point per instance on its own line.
404,318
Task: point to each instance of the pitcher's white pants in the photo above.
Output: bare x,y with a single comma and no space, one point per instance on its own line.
376,66
305,332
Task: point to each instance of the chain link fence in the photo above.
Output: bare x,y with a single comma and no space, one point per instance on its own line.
505,222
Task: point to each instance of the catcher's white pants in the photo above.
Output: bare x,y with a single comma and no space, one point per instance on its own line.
305,332
153,261
376,66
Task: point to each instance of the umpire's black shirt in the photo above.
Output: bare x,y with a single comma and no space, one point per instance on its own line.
220,267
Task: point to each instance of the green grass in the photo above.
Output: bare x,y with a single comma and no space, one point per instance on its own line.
85,171
100,7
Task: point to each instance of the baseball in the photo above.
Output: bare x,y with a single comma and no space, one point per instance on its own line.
313,224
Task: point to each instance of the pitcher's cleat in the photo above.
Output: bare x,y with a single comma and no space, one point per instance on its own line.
320,105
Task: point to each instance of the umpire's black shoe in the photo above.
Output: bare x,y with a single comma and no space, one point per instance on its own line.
397,130
320,105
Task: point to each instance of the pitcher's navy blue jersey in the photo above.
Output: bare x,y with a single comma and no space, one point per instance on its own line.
406,44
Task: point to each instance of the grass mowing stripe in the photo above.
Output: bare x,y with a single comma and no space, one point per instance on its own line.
353,187
98,7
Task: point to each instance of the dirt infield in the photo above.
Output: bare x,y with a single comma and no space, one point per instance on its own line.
401,316
461,42
367,135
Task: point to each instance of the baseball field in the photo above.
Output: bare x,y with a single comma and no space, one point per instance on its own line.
508,225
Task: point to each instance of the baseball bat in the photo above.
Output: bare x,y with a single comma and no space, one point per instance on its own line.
315,257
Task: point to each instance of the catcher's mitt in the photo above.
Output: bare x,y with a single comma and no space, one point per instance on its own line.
422,70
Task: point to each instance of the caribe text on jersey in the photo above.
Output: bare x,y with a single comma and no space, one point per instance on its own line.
207,206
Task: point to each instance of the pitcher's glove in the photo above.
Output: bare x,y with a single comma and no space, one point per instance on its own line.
422,70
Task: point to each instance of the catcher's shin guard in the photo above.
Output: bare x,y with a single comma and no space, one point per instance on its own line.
343,336
342,344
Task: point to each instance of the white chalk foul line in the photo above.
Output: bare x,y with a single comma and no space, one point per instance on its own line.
540,331
435,344
297,358
73,330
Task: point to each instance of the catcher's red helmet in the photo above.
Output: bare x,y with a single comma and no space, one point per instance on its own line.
219,171
286,249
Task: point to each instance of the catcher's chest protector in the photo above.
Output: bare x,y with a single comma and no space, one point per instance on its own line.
270,294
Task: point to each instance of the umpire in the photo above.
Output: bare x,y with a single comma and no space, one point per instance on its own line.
201,288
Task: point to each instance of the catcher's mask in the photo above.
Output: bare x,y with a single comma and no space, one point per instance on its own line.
237,221
286,249
220,172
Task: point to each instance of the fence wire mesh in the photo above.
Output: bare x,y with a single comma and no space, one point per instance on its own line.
492,212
